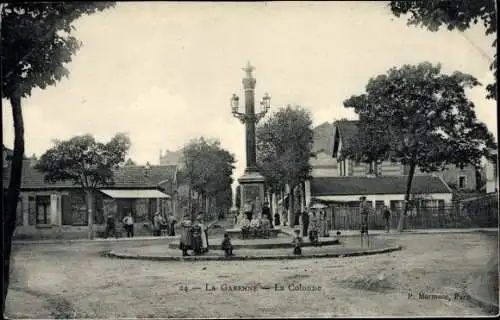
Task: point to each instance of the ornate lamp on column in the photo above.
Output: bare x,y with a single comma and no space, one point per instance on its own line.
252,182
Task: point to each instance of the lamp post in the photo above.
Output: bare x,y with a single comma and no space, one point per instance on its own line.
252,182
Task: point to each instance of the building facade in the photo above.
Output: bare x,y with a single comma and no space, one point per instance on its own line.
46,210
339,180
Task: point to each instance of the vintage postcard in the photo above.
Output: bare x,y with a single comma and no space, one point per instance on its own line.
250,159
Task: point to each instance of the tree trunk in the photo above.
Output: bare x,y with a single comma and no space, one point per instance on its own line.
13,191
291,207
407,196
88,194
190,204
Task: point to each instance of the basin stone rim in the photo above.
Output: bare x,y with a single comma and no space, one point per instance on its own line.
119,255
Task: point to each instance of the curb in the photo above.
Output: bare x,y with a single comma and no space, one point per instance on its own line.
112,254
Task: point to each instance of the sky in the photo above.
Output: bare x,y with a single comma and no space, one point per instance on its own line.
164,72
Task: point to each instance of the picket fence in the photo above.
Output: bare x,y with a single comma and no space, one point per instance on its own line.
482,213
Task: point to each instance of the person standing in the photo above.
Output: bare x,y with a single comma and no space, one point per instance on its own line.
157,224
285,216
266,213
248,209
171,225
277,221
197,243
305,223
364,210
110,227
185,240
296,220
313,227
128,223
227,246
204,234
297,243
387,218
324,224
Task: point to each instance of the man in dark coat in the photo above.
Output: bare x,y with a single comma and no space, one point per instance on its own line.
305,223
266,213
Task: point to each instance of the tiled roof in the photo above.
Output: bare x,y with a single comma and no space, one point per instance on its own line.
323,138
138,176
347,129
376,185
124,177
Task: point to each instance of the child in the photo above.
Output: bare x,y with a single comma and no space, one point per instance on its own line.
338,236
297,243
227,246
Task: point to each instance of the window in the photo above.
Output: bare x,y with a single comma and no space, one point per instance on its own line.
42,209
462,182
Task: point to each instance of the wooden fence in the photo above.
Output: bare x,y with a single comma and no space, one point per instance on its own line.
481,213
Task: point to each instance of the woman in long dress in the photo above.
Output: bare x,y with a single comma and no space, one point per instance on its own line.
185,240
204,236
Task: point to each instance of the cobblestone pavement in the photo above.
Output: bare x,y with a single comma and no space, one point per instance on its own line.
74,281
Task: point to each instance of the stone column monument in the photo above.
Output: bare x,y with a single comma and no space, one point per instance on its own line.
252,182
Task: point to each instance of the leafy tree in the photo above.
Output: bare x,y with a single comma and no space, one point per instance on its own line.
130,162
284,144
207,168
457,14
37,44
421,118
367,146
85,162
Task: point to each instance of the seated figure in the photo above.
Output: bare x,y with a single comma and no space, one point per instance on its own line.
245,229
265,228
254,226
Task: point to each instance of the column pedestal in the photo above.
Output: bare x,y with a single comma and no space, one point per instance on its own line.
252,188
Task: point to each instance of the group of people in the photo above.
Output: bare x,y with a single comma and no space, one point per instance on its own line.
128,226
250,213
314,224
194,236
159,223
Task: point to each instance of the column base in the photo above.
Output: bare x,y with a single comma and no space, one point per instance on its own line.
252,189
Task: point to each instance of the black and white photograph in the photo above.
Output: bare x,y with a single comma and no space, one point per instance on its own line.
281,159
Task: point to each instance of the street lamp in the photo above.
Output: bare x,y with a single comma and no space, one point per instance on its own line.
244,117
249,116
252,181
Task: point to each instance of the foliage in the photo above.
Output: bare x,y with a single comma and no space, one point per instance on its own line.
284,144
420,118
208,167
83,160
130,162
37,43
457,14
